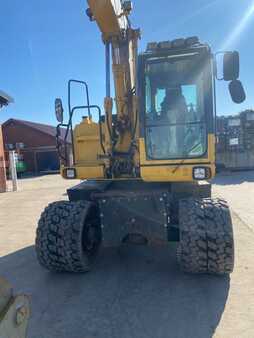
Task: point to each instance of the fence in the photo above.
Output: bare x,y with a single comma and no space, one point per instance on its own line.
235,141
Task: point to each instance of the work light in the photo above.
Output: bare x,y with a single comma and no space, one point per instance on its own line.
70,173
201,173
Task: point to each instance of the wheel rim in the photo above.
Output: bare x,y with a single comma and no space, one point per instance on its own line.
91,235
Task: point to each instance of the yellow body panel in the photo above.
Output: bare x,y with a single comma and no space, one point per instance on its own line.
114,26
89,164
209,159
85,172
87,151
87,146
175,170
183,173
90,172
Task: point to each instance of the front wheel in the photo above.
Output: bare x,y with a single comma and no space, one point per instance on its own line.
206,237
68,236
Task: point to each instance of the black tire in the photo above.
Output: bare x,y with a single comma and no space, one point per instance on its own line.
206,237
68,236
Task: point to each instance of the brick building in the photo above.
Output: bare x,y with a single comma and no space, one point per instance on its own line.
36,143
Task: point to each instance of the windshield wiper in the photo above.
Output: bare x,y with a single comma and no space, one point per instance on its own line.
186,156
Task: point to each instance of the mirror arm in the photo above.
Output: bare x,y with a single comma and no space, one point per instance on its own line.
216,65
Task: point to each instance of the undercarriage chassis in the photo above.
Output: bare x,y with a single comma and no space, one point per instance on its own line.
137,208
108,213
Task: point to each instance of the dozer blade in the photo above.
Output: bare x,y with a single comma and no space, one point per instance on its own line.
14,312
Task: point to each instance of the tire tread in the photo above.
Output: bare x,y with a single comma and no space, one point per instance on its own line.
206,237
59,237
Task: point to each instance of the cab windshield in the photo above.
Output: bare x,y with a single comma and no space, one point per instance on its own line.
175,114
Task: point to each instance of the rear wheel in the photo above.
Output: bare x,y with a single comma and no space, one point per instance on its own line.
206,237
68,236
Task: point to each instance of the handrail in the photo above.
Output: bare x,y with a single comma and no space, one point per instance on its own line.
59,144
87,94
69,127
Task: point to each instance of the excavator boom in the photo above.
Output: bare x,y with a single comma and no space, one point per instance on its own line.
109,16
112,19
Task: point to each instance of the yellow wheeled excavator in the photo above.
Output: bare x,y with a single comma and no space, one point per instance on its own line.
145,164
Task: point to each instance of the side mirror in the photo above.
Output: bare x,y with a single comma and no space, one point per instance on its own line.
231,66
237,91
59,110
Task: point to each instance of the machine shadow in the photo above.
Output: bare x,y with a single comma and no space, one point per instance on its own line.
234,178
132,292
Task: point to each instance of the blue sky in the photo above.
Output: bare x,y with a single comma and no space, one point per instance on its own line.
44,43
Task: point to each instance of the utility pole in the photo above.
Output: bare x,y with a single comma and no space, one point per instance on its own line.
2,164
13,169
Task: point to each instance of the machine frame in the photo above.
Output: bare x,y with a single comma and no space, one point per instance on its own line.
126,197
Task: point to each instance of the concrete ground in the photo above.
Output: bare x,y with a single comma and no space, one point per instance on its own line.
135,293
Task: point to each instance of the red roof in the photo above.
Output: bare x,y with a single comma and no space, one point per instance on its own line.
43,128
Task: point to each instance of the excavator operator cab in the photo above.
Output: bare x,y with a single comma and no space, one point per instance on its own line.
177,91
